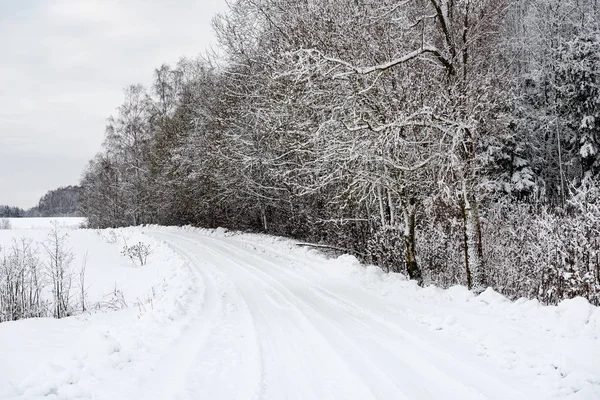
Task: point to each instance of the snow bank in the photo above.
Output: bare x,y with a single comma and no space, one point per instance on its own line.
557,347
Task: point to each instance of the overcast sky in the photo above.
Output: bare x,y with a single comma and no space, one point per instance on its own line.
63,67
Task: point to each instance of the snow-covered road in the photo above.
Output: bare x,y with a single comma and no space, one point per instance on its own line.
273,326
242,316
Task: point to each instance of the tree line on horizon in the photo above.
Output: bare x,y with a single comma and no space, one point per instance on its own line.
61,202
454,141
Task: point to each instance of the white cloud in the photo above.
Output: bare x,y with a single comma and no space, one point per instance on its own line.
63,66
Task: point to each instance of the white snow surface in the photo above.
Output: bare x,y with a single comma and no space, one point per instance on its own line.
45,223
240,316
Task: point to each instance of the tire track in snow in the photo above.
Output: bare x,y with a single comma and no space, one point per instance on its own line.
387,384
382,385
485,386
398,312
209,348
298,320
295,349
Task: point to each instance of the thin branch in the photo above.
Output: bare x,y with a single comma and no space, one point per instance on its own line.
390,64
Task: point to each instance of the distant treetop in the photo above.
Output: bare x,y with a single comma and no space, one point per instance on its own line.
61,202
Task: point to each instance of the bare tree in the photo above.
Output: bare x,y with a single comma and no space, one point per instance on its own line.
58,269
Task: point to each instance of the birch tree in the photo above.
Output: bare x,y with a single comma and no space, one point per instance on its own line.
127,143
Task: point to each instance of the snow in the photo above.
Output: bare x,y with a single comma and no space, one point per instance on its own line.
587,150
256,317
588,122
106,269
45,223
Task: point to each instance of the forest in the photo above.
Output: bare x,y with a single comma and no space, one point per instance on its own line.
61,202
455,141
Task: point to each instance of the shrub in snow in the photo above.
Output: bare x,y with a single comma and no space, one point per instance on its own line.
21,283
81,284
386,249
441,252
25,279
513,252
544,253
138,253
113,301
572,253
5,223
58,269
108,235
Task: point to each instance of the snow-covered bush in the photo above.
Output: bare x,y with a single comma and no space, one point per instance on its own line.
440,251
513,252
26,280
138,253
21,282
81,286
5,224
385,248
108,235
59,271
543,253
572,248
115,300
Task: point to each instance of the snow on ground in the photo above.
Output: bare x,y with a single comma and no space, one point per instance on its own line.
61,358
238,316
45,223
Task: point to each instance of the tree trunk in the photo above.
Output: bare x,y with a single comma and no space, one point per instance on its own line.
466,247
263,219
412,266
473,249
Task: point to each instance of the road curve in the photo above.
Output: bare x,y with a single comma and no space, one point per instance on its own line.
270,326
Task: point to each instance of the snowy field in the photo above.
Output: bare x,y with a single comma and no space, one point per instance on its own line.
34,347
216,315
45,223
